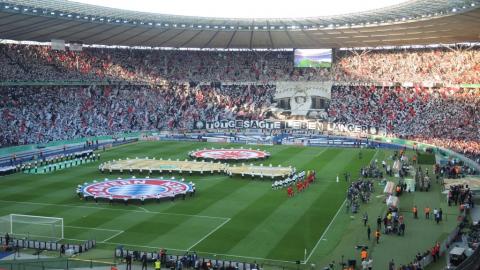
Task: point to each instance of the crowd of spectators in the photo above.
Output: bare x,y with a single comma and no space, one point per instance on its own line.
452,65
173,88
43,114
447,117
33,62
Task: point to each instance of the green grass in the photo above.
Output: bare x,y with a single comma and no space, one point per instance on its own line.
229,217
426,158
314,64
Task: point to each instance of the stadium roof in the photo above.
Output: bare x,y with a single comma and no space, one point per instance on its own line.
246,9
408,23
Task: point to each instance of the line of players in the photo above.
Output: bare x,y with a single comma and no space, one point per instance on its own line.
299,180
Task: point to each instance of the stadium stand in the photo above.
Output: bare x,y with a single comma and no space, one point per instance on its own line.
43,114
191,85
168,77
453,65
446,117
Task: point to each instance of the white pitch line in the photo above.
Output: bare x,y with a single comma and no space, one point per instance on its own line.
325,231
247,257
200,252
113,209
144,209
208,234
74,239
113,236
95,229
141,246
331,221
34,235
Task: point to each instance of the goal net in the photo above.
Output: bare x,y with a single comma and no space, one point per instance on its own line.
32,227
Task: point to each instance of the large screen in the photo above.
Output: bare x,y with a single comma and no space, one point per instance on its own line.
316,58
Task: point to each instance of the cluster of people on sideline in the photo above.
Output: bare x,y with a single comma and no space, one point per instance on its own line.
359,191
460,195
393,222
189,260
371,171
437,213
454,169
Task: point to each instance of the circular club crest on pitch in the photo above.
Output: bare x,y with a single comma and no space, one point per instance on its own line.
229,154
136,188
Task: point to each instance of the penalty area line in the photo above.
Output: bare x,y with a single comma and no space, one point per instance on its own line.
325,232
246,257
142,246
90,228
113,236
201,252
75,239
144,209
208,234
112,209
331,221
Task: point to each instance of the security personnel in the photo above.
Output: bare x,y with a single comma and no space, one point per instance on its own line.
364,254
377,235
158,264
144,261
128,261
415,211
427,212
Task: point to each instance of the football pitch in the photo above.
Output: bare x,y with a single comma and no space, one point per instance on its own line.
229,217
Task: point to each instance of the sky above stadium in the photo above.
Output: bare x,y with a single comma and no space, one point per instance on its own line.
246,8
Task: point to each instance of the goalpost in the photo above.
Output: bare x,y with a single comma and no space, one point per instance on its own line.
32,227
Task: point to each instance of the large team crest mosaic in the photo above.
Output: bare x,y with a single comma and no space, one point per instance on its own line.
136,188
229,154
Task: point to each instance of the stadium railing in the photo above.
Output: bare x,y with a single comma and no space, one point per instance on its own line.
217,261
56,263
67,82
15,244
472,262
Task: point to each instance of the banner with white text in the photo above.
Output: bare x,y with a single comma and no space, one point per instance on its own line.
288,125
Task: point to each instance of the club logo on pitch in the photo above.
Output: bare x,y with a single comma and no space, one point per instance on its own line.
136,188
226,154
